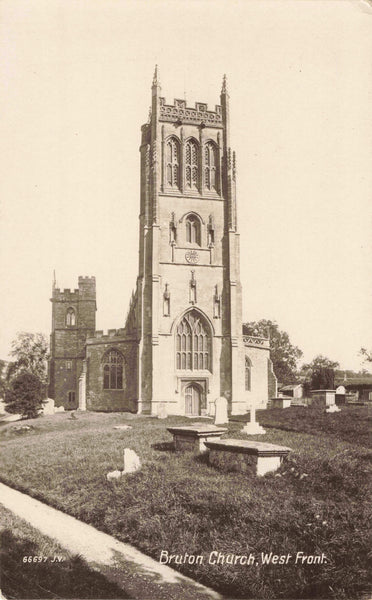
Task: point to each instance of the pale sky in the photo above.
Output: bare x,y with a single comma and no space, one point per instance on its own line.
75,90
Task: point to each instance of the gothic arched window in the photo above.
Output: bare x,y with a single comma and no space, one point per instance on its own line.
173,163
70,317
113,364
193,343
210,168
193,230
248,366
191,164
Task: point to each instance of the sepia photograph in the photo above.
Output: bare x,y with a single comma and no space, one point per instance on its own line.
186,299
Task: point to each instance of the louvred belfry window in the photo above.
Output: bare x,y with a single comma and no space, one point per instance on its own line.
172,160
210,169
191,164
113,364
193,230
70,317
193,343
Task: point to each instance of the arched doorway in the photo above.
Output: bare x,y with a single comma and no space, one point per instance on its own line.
192,400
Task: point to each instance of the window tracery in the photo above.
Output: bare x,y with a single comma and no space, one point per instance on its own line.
193,343
173,162
191,164
210,166
248,366
113,364
70,317
193,230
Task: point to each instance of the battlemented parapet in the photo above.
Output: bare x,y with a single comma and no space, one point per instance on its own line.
87,287
179,112
256,342
110,336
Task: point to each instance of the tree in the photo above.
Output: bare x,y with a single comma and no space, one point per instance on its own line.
30,351
283,353
3,368
367,354
25,395
320,373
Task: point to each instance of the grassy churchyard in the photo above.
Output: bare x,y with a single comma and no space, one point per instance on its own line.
68,577
318,503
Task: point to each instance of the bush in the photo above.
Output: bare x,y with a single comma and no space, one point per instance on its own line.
25,395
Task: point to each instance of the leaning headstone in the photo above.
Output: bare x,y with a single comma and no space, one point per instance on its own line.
131,461
221,415
162,411
113,475
73,416
253,428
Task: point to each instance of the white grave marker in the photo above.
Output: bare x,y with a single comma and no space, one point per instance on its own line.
253,428
221,415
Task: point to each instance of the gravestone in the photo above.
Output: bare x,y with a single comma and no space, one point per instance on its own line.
252,427
221,415
131,461
113,475
192,438
340,395
322,398
122,427
281,402
249,457
162,411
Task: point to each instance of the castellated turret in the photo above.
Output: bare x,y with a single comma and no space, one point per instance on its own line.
73,321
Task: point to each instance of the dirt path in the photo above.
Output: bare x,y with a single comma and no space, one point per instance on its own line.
138,575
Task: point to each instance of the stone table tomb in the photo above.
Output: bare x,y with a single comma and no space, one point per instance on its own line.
193,437
253,458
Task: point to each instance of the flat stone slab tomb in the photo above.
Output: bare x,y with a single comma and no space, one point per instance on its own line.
253,458
192,438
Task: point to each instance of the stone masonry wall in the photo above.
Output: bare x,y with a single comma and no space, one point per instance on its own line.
111,400
233,461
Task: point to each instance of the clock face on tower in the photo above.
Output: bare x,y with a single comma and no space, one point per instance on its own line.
192,256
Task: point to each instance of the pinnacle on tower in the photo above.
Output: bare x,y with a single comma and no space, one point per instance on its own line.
155,79
224,85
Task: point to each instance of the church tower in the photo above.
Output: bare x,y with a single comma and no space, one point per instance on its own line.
189,314
73,321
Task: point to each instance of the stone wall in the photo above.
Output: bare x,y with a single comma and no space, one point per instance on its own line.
100,399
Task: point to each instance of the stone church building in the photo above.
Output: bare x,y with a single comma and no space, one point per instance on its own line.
182,344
